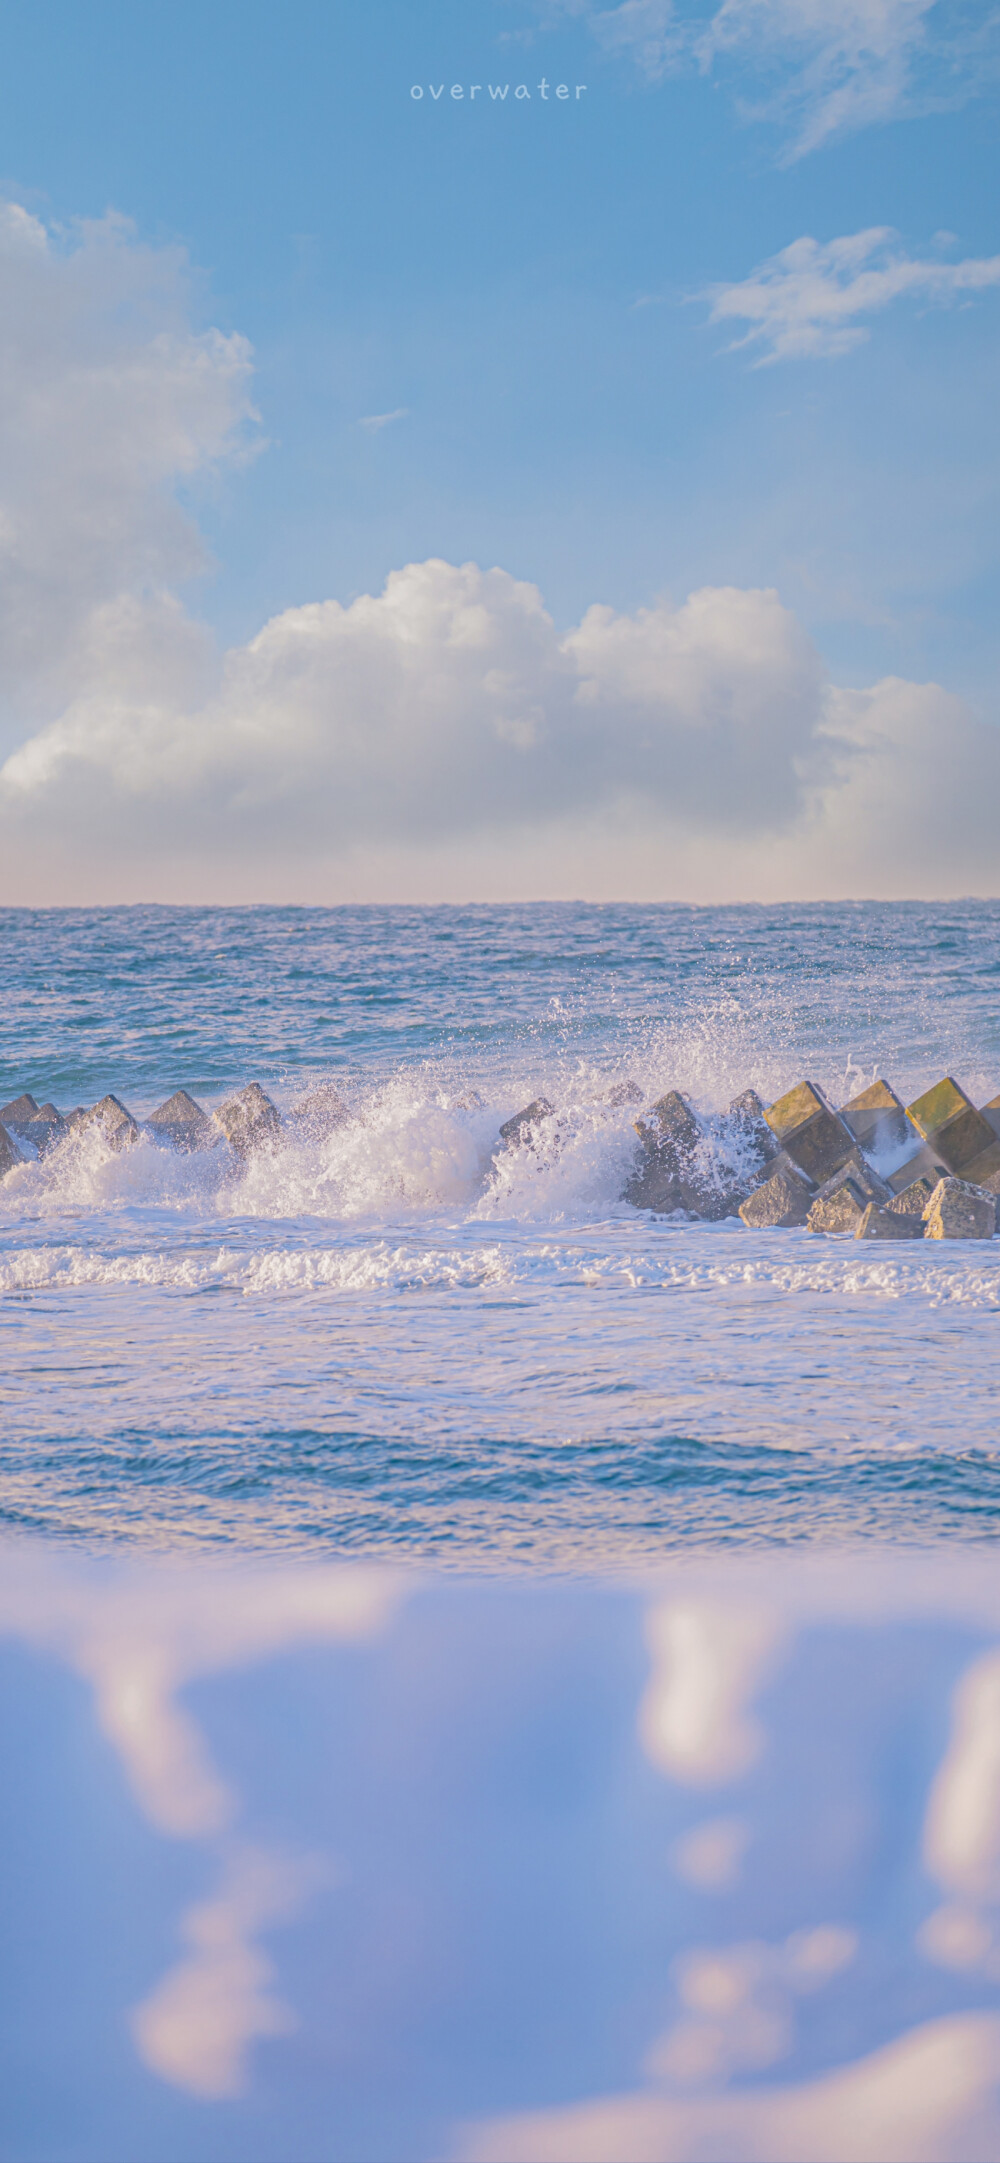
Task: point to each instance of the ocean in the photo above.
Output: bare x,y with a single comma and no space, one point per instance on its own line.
491,1674
405,1342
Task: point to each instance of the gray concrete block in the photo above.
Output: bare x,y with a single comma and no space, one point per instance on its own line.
990,1112
888,1224
958,1210
10,1154
249,1121
747,1113
18,1110
516,1131
960,1134
181,1123
811,1133
913,1200
115,1121
924,1164
782,1200
672,1123
318,1114
877,1119
841,1202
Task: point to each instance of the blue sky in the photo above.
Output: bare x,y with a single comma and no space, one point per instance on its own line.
529,286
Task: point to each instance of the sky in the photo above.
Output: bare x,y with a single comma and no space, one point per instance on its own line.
410,491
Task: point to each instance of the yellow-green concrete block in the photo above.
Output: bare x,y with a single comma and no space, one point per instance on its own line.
933,1110
793,1109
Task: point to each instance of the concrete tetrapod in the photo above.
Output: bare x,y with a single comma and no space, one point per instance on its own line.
9,1153
782,1200
810,1132
959,1210
675,1171
878,1223
841,1203
913,1200
115,1121
318,1114
877,1120
36,1129
249,1121
19,1110
515,1133
669,1132
182,1123
748,1116
959,1134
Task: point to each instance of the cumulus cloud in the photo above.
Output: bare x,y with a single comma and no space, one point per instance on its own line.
821,68
447,703
804,304
443,734
441,739
110,399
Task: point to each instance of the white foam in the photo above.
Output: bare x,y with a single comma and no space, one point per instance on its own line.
678,1258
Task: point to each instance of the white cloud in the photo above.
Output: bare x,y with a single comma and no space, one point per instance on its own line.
441,739
109,398
196,2026
962,1830
139,1639
446,705
821,67
850,62
930,2096
962,1834
375,421
736,2011
709,1659
139,1642
647,30
805,303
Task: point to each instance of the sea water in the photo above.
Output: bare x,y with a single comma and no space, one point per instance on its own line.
490,1673
405,1342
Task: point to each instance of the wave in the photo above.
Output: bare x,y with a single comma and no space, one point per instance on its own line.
414,1146
685,1258
408,1149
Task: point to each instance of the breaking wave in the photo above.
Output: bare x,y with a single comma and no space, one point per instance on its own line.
405,1150
411,1146
680,1257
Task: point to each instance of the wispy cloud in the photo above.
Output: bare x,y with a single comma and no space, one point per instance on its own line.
649,31
807,302
845,63
818,68
375,421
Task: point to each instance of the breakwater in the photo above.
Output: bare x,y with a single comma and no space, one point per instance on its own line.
872,1169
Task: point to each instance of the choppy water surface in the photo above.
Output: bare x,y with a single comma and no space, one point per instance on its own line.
391,1342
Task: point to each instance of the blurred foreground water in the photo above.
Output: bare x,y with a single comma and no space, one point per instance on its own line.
353,1865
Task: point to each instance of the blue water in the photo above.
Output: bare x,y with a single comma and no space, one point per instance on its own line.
395,1343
